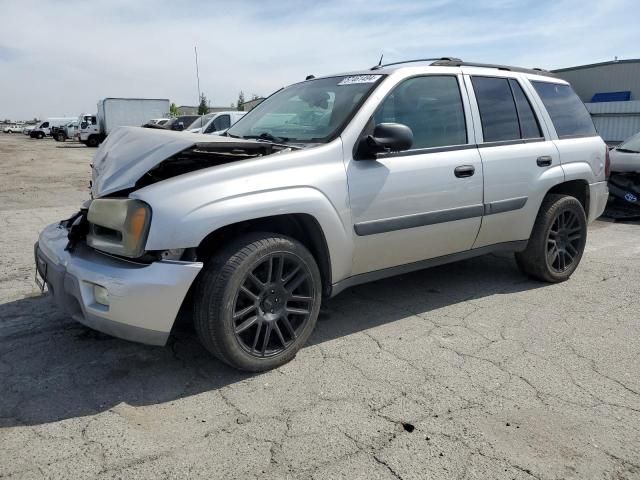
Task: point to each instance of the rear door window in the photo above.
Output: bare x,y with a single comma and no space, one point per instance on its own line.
568,114
498,113
529,126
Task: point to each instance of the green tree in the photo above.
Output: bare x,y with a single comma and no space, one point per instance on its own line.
203,108
173,110
241,101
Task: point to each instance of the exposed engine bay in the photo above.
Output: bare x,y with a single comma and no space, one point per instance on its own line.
205,155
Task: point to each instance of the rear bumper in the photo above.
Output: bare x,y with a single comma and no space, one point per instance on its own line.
598,196
143,299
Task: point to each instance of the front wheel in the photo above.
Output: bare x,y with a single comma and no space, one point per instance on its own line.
60,137
257,302
92,142
557,242
40,135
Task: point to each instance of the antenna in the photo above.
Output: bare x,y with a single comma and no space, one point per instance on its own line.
380,62
195,49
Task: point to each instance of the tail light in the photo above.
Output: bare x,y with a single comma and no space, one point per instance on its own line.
607,163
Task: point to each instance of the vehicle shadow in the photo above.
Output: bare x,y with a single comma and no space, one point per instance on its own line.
52,368
69,144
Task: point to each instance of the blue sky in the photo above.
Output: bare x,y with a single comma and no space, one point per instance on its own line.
59,57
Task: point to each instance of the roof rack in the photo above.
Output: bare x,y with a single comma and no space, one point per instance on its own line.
456,62
509,68
441,59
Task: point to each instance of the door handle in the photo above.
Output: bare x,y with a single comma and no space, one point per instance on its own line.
464,171
544,161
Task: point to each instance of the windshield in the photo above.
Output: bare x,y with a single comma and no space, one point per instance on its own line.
632,144
314,111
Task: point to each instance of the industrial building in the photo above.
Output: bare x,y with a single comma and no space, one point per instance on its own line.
193,110
611,92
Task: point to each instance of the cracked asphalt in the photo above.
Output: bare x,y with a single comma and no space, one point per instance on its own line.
466,371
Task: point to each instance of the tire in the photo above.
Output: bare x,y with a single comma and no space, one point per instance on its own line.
60,137
40,135
92,142
239,299
557,241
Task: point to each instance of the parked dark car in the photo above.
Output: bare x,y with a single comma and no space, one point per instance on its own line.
177,123
180,123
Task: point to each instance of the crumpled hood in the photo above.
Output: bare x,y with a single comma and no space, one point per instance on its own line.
130,152
624,162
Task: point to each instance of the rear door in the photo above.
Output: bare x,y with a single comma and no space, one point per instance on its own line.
582,151
519,158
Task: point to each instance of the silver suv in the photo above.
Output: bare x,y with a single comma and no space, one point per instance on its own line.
328,183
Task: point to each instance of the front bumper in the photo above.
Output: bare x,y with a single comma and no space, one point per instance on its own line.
143,299
598,196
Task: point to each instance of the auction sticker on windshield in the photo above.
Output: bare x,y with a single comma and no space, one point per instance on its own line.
359,79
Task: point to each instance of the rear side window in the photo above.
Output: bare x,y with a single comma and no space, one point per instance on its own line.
497,109
529,127
431,107
567,112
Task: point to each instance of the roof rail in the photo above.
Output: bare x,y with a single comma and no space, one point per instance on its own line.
444,59
509,68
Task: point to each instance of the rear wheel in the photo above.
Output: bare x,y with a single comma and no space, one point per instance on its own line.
257,302
60,137
557,242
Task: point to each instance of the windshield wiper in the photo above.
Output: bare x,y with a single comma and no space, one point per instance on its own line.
270,138
626,150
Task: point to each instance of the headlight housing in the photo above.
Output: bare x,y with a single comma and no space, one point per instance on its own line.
119,226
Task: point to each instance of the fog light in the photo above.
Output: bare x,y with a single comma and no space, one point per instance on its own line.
101,295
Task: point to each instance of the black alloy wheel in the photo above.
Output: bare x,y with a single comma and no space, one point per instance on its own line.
257,300
273,305
557,241
563,242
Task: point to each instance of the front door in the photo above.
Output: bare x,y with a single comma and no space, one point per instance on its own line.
425,202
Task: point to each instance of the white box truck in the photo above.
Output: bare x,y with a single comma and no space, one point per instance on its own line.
122,112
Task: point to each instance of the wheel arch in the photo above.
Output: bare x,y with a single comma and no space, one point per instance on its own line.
578,189
302,227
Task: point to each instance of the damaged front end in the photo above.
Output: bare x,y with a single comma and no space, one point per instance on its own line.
77,227
624,196
134,158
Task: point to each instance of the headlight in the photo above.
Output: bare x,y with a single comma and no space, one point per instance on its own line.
118,226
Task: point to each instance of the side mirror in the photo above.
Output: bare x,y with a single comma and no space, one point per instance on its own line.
387,137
